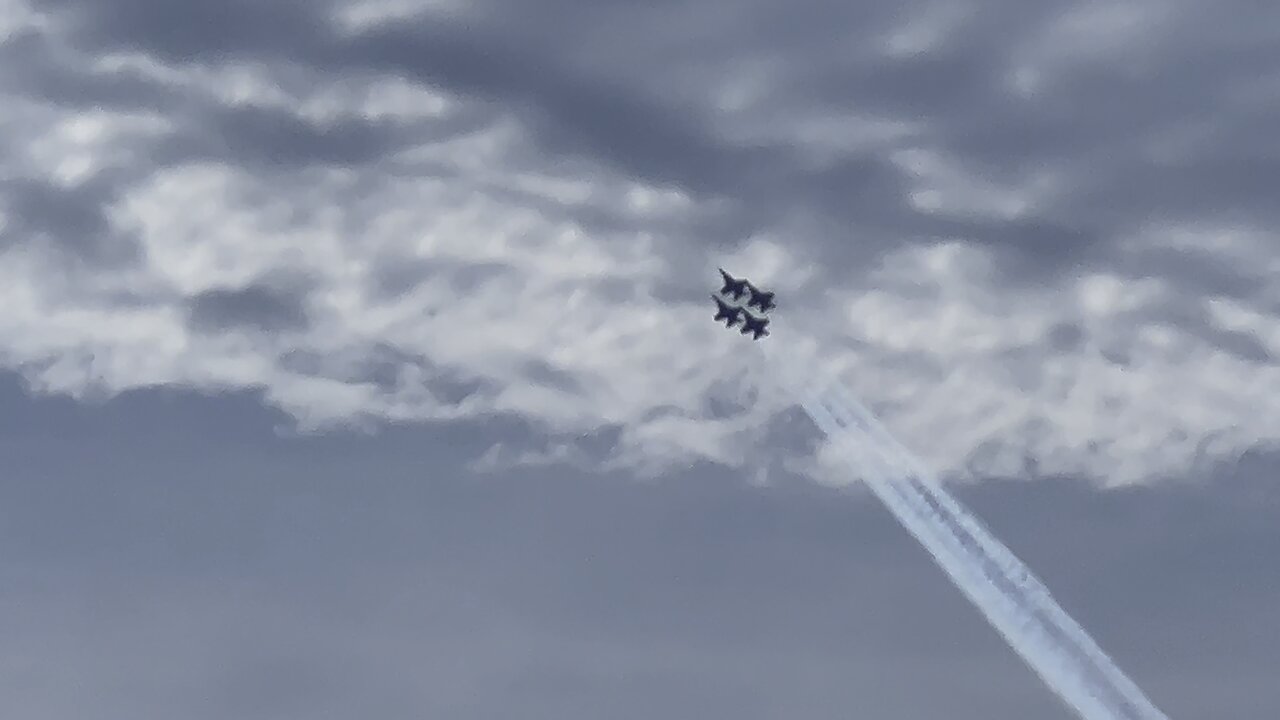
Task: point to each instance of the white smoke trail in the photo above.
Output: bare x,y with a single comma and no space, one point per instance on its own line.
1029,589
999,585
1020,629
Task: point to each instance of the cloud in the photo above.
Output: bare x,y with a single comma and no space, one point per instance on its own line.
1035,237
253,307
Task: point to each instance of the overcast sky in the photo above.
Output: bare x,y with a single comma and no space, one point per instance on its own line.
356,357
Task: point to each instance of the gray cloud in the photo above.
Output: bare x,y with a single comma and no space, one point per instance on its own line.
434,163
632,109
193,31
279,140
254,307
71,220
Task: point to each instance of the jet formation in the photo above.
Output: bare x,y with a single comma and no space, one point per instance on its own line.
732,309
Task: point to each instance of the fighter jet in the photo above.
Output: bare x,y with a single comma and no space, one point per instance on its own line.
732,312
733,287
724,311
760,299
755,326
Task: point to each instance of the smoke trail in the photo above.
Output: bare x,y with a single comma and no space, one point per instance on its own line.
998,584
1029,589
1021,630
1091,671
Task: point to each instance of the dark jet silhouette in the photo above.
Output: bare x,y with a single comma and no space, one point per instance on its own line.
733,287
760,299
724,311
756,326
731,312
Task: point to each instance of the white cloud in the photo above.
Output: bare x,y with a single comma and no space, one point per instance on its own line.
472,274
962,400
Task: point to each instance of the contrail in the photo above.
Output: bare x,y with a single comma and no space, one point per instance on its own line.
1016,604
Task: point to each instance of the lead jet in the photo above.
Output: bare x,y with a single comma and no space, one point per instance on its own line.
733,287
760,299
756,326
724,311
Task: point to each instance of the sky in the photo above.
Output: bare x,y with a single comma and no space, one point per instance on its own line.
355,357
